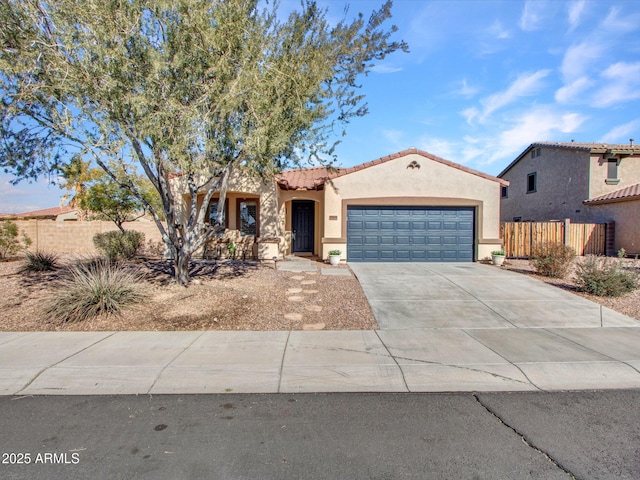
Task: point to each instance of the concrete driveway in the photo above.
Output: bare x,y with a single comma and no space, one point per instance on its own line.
473,296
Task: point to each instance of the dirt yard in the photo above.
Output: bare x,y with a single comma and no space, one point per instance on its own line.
227,296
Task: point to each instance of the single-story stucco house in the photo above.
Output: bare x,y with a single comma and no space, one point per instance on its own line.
409,206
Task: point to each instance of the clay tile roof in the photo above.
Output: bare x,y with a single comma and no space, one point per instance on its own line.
47,212
594,147
306,178
622,195
314,178
623,149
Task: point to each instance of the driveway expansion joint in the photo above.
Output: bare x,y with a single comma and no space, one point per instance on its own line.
524,439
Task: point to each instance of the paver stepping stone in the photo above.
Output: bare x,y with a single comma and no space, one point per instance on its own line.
311,273
297,277
309,291
293,317
295,299
313,308
313,326
308,282
294,290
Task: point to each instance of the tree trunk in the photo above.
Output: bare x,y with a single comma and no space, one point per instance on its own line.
181,267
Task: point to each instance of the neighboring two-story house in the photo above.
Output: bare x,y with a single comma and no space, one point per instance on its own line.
583,182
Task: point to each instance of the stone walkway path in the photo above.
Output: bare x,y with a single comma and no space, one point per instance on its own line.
301,298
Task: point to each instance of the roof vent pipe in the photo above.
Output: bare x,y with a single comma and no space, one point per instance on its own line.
631,141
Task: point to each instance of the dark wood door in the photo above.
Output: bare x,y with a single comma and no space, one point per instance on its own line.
302,221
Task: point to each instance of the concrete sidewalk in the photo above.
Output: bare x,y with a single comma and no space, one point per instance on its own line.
420,360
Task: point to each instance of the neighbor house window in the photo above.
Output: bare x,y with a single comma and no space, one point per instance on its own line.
248,217
612,171
535,152
504,192
532,182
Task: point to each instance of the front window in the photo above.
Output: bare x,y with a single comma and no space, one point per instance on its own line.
213,213
248,216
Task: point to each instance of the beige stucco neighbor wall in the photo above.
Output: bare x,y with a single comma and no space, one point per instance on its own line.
628,174
395,183
77,237
627,227
562,186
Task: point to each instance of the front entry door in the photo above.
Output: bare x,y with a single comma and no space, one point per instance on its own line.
302,220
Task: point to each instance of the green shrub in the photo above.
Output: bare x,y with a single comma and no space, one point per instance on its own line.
95,288
40,262
9,243
552,259
117,245
605,277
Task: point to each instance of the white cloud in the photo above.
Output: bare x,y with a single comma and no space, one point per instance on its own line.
498,31
470,114
526,84
466,90
576,9
578,59
542,123
533,15
622,133
395,137
617,22
439,147
385,68
622,84
573,91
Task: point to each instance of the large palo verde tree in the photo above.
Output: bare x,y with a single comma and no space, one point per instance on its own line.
195,87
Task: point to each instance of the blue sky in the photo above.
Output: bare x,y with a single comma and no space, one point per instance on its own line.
484,79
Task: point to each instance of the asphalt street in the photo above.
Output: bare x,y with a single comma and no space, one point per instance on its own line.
559,435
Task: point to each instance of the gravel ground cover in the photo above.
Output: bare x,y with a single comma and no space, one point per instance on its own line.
224,296
628,304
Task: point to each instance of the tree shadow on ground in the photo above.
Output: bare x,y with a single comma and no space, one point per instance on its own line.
162,271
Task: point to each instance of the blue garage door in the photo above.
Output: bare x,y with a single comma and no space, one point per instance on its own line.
410,234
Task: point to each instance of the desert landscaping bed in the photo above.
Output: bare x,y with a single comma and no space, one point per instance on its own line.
228,296
222,296
628,304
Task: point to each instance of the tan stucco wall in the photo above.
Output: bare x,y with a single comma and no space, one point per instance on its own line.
565,178
240,187
627,218
393,183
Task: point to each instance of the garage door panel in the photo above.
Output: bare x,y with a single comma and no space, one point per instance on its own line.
410,233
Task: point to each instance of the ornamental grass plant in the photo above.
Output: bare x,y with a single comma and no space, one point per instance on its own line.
40,262
95,288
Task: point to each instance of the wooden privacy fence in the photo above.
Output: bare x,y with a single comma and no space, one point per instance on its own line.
585,238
